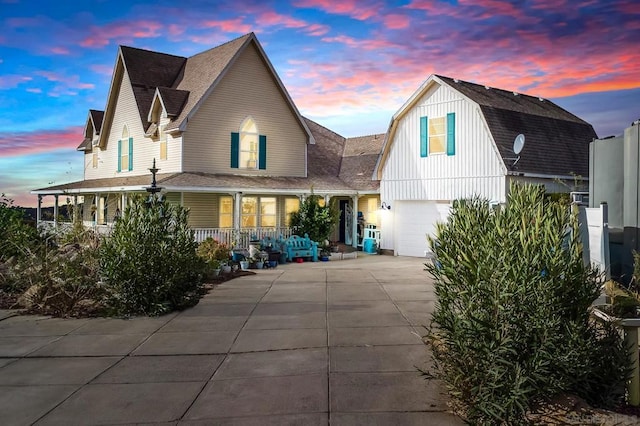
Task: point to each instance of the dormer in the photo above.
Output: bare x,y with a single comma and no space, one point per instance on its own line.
92,130
166,103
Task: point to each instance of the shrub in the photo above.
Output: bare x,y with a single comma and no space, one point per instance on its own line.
16,236
511,326
315,220
149,263
58,280
213,254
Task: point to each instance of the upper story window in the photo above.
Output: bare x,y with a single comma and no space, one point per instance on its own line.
249,144
248,147
163,142
437,135
125,151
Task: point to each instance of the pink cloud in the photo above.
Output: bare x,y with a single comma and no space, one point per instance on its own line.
102,69
121,31
72,81
395,22
12,80
356,9
366,44
25,143
58,50
235,25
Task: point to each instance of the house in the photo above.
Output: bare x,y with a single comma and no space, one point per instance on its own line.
454,139
615,179
229,142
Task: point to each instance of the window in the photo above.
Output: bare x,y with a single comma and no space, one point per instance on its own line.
437,135
226,212
372,210
290,205
248,148
259,212
249,212
125,151
268,212
163,142
249,144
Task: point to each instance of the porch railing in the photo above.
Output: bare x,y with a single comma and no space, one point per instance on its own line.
241,238
229,236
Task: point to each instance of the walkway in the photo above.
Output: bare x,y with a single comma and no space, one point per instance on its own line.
303,344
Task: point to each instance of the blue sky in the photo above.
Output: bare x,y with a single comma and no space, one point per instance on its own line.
349,65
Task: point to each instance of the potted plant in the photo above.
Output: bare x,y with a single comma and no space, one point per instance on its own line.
225,267
244,264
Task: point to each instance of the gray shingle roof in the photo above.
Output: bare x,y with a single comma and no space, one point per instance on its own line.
557,142
97,117
173,100
148,70
359,160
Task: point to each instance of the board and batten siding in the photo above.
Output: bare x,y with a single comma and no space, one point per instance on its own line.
475,169
144,148
248,89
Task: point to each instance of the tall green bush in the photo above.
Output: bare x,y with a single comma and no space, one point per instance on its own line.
511,325
16,236
315,220
149,263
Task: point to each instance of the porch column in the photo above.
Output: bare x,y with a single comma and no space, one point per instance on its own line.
39,211
355,221
75,209
55,211
237,198
96,204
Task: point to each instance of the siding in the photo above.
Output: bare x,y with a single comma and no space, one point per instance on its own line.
475,168
144,148
203,209
247,89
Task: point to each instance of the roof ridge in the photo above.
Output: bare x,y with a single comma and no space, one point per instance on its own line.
247,35
324,127
151,51
367,135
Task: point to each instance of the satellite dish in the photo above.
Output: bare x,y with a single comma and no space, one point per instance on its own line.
518,143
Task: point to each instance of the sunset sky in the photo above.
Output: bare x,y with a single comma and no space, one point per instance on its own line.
347,64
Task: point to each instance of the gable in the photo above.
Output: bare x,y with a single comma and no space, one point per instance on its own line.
248,89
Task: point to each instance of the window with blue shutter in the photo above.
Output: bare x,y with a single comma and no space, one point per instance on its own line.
451,133
424,137
262,153
235,149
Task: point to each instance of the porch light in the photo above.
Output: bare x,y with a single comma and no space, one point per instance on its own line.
385,206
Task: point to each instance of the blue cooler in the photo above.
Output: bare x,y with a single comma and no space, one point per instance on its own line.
369,245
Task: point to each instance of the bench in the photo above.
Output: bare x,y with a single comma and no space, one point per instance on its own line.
298,246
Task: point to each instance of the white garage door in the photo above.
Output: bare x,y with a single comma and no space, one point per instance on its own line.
413,220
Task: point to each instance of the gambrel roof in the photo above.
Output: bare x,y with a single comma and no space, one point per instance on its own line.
556,141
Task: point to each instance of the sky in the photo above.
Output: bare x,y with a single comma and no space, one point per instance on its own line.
347,64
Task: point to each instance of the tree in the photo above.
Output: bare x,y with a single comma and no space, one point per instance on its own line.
315,220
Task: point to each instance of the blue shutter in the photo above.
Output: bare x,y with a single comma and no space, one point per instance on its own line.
424,137
119,154
235,149
262,153
451,133
130,154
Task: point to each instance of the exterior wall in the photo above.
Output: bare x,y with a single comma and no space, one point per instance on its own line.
371,216
203,209
144,148
606,177
246,90
475,169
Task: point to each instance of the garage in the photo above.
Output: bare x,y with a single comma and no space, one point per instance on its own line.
413,220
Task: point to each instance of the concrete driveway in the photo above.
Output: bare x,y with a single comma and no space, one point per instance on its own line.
303,344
